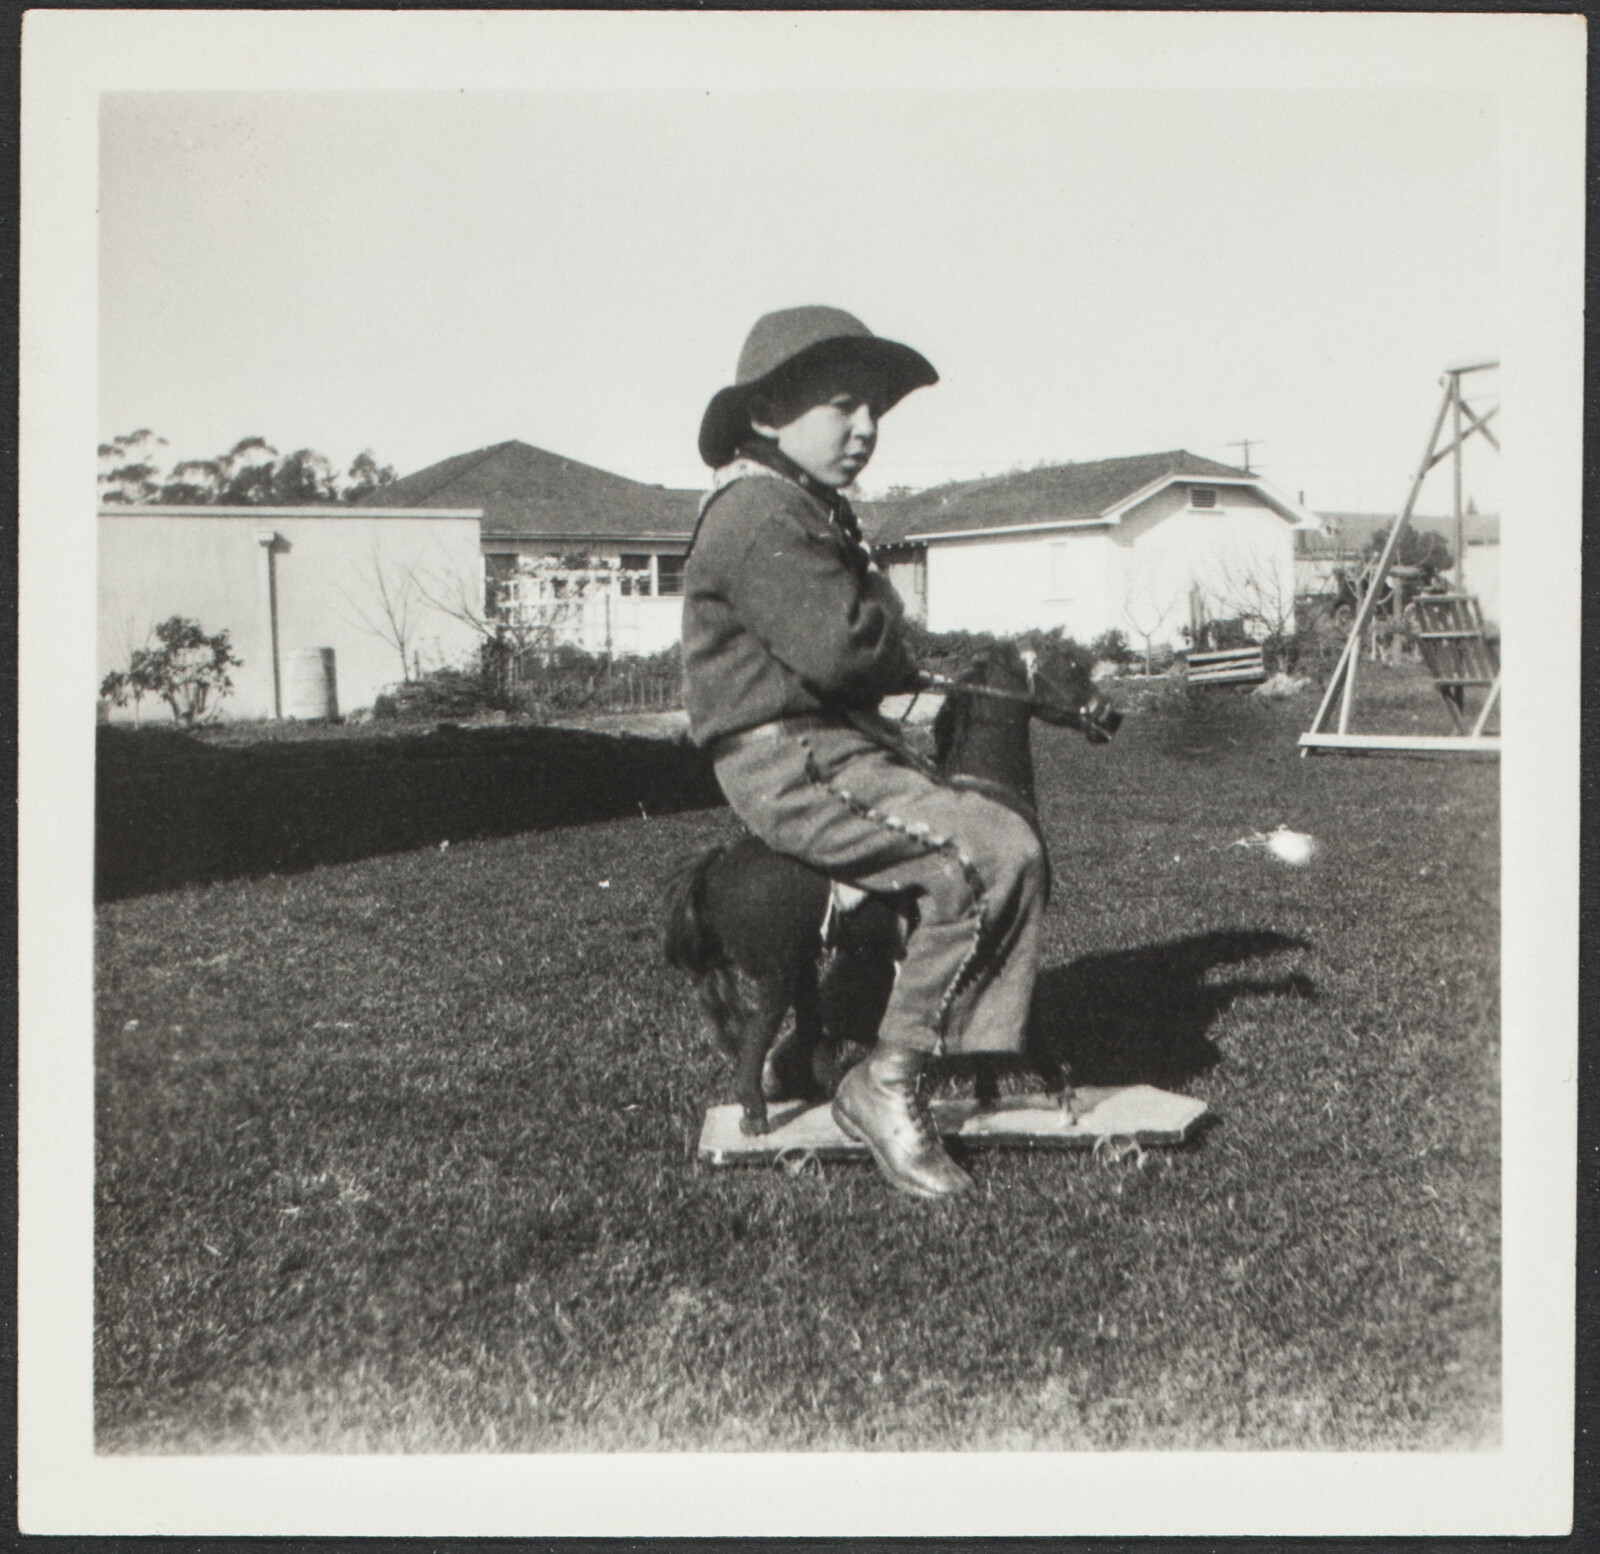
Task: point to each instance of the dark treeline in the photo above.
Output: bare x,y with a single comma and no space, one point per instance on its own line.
251,473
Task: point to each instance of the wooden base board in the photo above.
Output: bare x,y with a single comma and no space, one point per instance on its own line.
1137,1113
1401,744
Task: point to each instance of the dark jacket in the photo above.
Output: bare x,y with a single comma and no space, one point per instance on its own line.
782,612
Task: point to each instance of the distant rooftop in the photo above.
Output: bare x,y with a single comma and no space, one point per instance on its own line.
1059,493
527,493
364,509
1356,531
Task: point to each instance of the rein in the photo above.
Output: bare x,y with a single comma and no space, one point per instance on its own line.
945,683
880,733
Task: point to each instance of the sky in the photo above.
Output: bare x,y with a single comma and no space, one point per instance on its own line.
1094,272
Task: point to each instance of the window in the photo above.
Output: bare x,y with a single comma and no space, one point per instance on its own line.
670,574
634,573
499,570
1202,496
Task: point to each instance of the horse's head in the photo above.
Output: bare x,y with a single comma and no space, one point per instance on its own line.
982,729
1061,691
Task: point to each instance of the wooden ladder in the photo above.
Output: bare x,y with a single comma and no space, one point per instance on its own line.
1459,656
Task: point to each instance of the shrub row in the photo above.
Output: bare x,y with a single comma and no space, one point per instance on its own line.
171,809
529,684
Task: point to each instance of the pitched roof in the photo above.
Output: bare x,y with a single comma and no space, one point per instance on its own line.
1059,493
527,493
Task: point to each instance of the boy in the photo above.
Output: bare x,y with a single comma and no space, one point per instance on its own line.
791,637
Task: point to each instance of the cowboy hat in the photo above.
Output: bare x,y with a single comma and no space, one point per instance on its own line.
794,337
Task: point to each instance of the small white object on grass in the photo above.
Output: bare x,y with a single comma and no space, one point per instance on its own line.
1294,848
1280,686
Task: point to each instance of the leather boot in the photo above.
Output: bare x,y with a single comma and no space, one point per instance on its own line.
879,1104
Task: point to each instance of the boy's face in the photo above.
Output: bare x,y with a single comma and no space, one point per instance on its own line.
826,420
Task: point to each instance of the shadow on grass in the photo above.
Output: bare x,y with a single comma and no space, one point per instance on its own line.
172,809
1141,1016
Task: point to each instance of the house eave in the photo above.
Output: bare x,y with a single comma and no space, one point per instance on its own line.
1299,516
584,537
317,510
1048,524
1113,515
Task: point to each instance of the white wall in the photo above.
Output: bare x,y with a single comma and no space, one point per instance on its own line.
909,579
206,564
607,622
1135,576
1008,583
1239,554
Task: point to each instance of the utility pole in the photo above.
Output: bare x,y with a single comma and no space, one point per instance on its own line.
1247,444
272,542
1455,469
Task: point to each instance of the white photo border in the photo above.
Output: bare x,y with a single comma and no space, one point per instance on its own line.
1534,65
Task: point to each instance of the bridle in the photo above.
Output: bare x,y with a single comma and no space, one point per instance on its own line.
1091,715
1028,698
943,682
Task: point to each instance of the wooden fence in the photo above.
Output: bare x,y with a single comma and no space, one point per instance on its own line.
603,685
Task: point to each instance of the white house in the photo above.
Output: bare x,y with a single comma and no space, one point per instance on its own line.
1147,545
288,584
579,554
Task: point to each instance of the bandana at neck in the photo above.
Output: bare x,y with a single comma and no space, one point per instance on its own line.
762,450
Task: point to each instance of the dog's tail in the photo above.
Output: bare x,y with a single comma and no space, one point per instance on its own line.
688,939
689,942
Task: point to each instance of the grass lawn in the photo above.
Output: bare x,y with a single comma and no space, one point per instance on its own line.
397,1154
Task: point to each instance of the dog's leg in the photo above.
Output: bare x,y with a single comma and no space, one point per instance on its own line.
765,1012
721,1016
986,1081
789,1073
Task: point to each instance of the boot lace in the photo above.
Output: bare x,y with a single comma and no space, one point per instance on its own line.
922,1115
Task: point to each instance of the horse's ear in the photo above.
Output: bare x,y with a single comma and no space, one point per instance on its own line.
1008,656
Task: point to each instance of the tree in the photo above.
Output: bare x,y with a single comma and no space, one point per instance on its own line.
184,667
502,610
1147,615
387,601
241,477
303,476
1111,647
1420,548
251,473
1261,595
127,474
366,475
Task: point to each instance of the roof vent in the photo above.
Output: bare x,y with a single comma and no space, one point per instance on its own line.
1202,496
